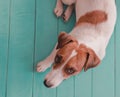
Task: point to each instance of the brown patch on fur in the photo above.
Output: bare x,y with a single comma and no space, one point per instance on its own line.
85,58
66,44
94,17
64,39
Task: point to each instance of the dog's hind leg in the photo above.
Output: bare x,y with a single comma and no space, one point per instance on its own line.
59,8
67,14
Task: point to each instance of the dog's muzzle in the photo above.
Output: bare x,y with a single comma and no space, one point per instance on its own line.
47,84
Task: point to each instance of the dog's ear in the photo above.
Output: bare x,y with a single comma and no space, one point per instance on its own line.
64,39
80,60
92,59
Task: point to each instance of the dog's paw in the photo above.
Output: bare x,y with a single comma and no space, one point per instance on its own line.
65,17
67,14
42,66
58,11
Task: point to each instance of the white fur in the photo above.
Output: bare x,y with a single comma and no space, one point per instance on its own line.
68,2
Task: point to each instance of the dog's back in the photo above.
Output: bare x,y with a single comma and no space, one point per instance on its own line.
84,6
95,36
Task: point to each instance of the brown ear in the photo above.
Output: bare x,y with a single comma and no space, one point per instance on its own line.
64,39
92,60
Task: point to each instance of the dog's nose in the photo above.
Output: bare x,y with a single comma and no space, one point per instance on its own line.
47,84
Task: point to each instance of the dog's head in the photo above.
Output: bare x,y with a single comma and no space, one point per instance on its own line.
70,59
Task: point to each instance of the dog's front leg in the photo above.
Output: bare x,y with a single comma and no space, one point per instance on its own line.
59,8
46,63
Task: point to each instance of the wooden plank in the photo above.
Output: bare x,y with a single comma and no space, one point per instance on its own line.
117,52
103,75
20,67
83,84
46,37
4,36
66,89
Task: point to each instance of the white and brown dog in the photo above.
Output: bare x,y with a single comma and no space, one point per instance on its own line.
84,47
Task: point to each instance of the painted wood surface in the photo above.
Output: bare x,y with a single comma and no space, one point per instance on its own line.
4,40
117,52
28,33
21,48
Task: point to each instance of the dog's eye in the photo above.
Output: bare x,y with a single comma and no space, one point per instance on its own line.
58,59
70,70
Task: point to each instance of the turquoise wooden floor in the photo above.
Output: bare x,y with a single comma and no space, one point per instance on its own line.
28,32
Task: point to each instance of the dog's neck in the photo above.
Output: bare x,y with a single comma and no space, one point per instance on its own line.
86,34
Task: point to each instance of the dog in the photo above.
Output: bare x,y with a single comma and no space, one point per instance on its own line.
84,47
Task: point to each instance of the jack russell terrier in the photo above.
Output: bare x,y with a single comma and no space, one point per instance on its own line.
84,47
